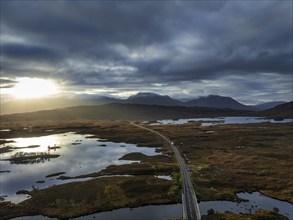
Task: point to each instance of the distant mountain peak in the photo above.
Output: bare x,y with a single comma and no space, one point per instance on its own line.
268,105
144,95
148,98
214,96
217,101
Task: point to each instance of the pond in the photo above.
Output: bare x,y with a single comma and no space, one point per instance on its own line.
255,202
79,155
222,120
150,212
166,177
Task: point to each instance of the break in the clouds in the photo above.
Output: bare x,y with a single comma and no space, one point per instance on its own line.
184,49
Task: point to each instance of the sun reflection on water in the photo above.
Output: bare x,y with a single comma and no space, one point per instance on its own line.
31,160
35,144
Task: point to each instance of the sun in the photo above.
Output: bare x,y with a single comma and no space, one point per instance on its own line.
31,88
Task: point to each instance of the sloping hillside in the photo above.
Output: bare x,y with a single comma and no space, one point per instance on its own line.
123,112
282,111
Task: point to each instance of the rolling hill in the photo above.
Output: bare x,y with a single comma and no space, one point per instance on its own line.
147,98
280,111
143,112
216,101
211,101
268,105
123,112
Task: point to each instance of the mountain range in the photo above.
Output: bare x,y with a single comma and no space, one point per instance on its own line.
211,101
144,98
120,111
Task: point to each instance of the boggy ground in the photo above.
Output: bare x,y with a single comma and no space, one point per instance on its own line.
116,131
103,193
148,165
226,159
100,194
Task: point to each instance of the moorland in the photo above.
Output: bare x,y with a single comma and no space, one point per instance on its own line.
224,160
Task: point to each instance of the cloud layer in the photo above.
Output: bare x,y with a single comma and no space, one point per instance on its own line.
182,48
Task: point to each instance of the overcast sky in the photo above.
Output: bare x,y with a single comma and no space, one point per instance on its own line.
184,49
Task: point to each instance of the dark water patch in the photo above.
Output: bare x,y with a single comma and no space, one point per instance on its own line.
253,202
36,217
151,212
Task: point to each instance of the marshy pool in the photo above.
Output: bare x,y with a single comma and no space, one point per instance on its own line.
79,154
255,201
221,121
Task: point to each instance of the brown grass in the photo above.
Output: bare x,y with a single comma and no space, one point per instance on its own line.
220,169
81,198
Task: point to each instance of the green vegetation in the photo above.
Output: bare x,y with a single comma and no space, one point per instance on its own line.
176,187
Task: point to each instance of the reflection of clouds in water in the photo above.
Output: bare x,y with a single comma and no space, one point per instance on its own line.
255,201
75,160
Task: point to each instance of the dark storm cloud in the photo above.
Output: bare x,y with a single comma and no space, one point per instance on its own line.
138,43
28,52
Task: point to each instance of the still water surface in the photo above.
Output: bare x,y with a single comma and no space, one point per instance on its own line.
222,120
78,155
151,212
255,202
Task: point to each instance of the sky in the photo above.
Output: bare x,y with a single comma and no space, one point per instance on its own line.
184,49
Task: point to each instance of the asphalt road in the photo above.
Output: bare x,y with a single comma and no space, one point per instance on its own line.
190,205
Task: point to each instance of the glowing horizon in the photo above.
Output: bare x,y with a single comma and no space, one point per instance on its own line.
32,88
